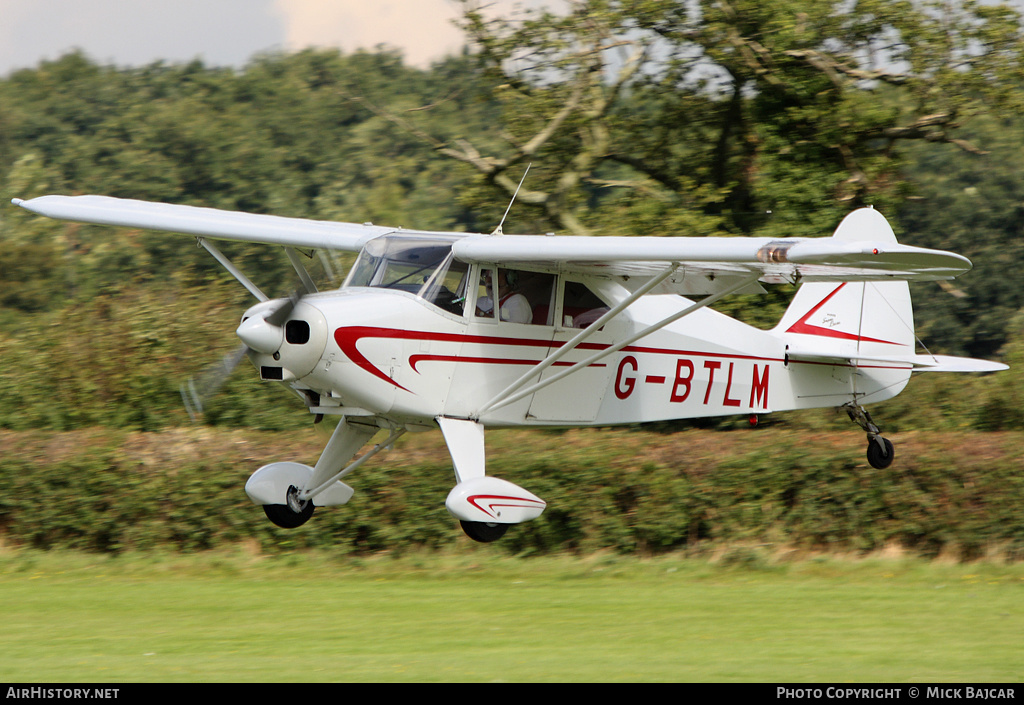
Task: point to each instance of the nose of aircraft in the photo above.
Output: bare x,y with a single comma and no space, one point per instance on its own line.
286,338
260,335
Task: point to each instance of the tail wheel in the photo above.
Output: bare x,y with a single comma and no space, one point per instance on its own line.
483,532
880,452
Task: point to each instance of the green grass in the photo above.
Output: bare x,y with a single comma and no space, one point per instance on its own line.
72,617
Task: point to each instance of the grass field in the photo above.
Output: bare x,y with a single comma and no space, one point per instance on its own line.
236,617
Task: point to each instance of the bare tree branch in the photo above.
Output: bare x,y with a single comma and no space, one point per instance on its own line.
832,68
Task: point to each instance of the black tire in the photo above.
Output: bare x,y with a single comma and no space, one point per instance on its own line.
879,459
484,533
283,516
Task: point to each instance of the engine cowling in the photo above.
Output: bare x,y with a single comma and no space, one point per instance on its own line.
286,350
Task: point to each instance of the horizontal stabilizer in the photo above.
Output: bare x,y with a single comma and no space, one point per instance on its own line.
919,363
947,363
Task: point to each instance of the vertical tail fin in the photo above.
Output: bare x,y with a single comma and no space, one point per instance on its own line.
850,319
857,317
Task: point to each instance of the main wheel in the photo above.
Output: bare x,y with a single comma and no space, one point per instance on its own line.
483,532
291,515
284,517
877,457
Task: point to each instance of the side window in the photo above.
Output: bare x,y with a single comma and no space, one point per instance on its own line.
484,294
539,290
522,297
580,306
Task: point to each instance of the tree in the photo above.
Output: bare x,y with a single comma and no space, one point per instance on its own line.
283,136
974,207
736,115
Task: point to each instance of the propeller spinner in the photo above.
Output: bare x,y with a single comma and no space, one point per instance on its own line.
283,338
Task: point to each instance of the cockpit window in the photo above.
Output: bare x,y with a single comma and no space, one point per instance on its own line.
447,288
419,265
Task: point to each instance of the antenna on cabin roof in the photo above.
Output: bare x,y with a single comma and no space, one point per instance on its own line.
498,230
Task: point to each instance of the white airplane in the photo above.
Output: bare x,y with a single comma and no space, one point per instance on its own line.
469,331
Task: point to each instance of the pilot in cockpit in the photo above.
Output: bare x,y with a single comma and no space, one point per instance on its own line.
513,305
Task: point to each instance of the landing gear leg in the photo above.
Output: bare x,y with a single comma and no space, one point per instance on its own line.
880,450
486,506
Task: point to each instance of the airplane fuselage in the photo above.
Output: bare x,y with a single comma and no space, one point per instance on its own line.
389,353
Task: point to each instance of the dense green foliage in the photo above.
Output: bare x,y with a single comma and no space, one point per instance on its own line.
623,491
286,136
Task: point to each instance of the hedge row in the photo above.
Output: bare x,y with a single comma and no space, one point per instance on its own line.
620,490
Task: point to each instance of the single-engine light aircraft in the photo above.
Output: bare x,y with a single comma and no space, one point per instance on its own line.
464,332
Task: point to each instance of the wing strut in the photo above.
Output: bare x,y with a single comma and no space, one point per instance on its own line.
307,281
235,271
577,339
505,399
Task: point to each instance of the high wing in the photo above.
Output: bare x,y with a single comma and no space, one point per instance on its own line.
708,264
208,222
863,249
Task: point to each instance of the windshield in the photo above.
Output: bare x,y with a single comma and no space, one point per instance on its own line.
419,265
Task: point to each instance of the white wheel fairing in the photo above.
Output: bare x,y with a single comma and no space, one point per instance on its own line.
269,485
493,500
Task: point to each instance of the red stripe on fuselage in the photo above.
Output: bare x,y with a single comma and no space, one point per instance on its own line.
348,338
417,359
